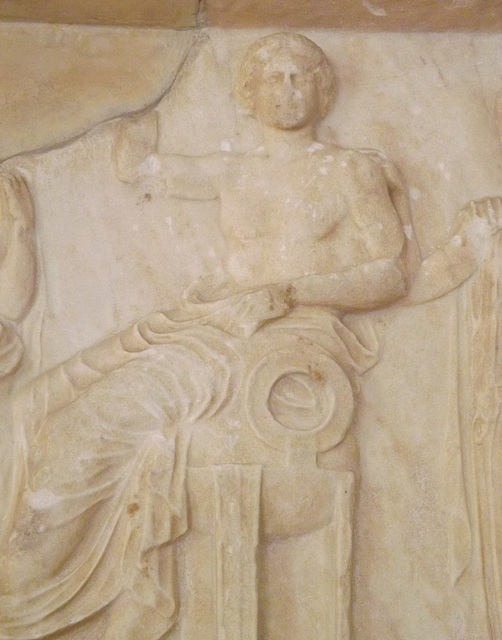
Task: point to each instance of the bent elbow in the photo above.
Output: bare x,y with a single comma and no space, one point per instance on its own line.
391,283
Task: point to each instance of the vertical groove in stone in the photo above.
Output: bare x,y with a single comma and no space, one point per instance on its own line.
237,504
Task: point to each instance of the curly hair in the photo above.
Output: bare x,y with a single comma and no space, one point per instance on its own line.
311,58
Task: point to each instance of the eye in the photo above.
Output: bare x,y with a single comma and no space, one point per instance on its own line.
274,78
302,79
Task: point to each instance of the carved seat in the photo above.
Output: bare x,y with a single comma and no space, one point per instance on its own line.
263,517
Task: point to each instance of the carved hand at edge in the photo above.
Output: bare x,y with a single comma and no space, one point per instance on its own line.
16,209
15,198
136,139
487,210
460,255
17,247
11,350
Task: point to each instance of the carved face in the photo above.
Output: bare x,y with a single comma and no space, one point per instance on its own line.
287,95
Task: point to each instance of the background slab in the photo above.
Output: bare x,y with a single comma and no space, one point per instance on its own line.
58,81
111,252
375,15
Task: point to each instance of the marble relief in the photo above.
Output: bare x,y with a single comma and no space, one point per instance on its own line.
195,474
17,266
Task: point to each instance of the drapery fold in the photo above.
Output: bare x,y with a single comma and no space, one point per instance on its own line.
106,436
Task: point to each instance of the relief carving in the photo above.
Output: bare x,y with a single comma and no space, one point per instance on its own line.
17,265
183,474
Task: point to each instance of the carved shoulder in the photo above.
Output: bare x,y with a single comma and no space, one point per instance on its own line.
389,169
375,211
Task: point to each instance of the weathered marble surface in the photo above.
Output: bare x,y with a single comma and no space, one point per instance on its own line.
387,15
111,248
175,14
59,81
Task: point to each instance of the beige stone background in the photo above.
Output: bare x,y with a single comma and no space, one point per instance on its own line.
110,253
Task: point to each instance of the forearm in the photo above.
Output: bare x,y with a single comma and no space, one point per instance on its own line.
444,270
184,177
363,287
136,158
453,262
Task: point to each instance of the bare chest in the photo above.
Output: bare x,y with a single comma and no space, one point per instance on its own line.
295,203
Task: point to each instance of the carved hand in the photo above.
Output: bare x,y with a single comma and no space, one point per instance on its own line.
136,139
11,350
16,210
459,256
488,210
17,251
254,309
269,303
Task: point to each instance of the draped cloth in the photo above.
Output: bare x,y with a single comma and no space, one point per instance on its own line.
107,436
482,423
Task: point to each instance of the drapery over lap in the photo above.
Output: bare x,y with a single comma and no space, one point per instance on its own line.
106,481
107,435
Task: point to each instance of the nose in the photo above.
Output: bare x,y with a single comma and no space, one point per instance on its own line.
288,79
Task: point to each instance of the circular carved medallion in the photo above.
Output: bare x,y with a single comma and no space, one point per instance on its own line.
299,395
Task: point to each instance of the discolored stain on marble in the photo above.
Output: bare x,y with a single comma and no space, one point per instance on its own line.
174,14
365,15
58,81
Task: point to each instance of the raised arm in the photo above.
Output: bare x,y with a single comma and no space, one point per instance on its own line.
184,177
135,158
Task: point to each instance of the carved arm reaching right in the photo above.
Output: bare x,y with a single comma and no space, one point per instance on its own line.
458,257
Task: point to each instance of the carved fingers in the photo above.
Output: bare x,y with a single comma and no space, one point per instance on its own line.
17,248
11,350
282,298
136,139
240,314
209,288
258,307
16,213
487,209
15,200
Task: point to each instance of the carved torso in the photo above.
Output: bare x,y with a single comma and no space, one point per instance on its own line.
306,215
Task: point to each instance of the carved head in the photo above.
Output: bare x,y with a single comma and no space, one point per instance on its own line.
286,81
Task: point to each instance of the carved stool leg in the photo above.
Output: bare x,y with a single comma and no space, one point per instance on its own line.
305,562
339,543
237,507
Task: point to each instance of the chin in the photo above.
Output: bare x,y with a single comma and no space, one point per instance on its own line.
290,123
291,126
